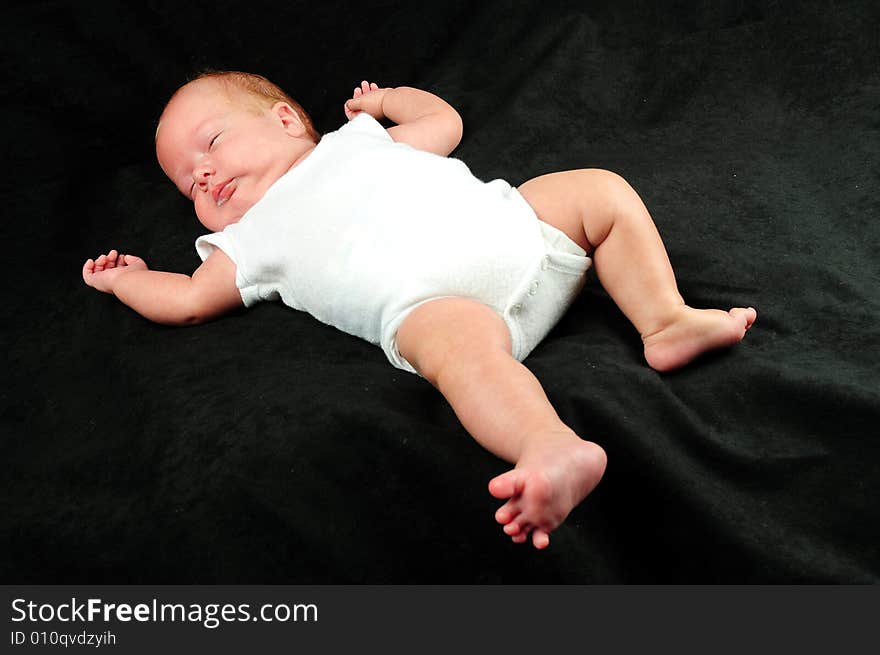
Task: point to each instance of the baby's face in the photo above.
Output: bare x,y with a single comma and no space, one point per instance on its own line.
221,154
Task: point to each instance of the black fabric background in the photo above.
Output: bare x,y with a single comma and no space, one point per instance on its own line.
268,448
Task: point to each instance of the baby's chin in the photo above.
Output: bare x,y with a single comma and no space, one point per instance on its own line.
217,222
233,206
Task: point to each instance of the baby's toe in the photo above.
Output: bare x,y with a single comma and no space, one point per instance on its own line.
507,512
507,485
540,539
517,526
519,538
745,316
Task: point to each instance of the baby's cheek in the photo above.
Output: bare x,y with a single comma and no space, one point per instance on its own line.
238,204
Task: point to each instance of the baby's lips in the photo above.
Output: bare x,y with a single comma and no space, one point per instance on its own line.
224,192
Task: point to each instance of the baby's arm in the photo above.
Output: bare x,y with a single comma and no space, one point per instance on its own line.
168,298
424,120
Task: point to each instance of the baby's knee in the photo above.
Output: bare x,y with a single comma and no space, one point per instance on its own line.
610,182
612,197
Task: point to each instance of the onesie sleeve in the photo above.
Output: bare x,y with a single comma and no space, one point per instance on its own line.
206,244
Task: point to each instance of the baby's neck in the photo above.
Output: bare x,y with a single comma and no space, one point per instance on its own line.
303,155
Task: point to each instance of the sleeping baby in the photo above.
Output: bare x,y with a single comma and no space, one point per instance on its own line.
379,233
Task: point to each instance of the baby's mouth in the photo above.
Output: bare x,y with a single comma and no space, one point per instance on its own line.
224,192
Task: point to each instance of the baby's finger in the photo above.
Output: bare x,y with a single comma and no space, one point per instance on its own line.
134,260
374,86
357,92
365,86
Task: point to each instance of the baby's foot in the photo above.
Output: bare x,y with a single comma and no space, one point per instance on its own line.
694,331
553,475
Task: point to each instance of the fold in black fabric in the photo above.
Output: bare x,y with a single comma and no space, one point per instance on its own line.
269,448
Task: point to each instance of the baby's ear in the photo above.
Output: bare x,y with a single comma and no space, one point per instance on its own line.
289,119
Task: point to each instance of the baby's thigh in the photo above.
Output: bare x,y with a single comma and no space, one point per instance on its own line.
445,330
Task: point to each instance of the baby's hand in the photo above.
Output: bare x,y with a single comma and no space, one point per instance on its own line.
366,98
103,272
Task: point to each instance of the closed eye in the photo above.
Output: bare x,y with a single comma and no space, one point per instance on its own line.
210,146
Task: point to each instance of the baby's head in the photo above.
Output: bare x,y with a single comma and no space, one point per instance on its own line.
226,137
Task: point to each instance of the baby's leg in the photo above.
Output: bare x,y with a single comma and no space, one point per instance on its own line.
463,348
603,214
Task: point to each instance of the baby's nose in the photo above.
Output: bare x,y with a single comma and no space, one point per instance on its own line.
202,175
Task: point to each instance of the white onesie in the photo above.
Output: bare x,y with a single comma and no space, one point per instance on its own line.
365,229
